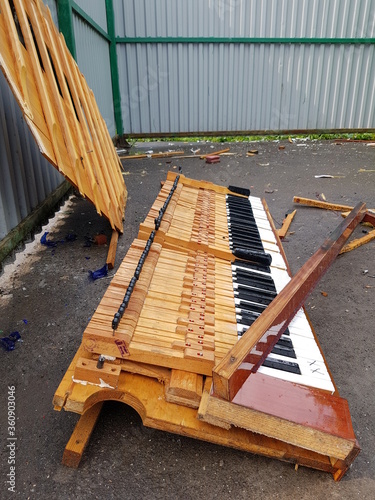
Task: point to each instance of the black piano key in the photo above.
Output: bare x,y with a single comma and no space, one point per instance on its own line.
239,190
246,317
256,292
251,307
286,366
252,266
250,281
288,352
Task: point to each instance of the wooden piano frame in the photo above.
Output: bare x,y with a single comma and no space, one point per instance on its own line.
181,401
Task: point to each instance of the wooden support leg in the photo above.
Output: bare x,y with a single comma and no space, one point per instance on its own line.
112,250
80,437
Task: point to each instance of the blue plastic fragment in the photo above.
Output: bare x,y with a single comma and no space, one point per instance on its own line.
25,321
99,273
44,241
9,343
15,336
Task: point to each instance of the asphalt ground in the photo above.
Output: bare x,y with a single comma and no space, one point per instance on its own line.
46,296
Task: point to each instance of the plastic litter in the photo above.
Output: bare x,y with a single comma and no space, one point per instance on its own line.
9,343
99,273
48,243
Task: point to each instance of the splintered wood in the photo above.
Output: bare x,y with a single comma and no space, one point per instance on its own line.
59,107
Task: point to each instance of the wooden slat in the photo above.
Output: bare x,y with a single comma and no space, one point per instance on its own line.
323,204
111,256
255,345
80,437
286,224
59,108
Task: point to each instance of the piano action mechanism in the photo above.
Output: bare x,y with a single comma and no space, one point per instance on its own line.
203,328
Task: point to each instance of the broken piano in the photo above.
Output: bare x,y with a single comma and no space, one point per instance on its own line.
202,329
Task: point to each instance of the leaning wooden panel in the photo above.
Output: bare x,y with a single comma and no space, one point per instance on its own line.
59,107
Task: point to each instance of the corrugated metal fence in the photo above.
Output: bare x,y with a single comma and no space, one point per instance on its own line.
26,178
245,65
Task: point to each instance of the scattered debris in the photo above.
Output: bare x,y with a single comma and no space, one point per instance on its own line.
202,157
289,216
325,294
150,154
9,343
252,152
47,243
358,242
281,146
263,164
99,273
100,239
370,142
365,170
329,176
213,159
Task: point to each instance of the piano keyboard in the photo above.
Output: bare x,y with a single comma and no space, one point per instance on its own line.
296,356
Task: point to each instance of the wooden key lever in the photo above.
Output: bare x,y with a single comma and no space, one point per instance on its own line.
258,341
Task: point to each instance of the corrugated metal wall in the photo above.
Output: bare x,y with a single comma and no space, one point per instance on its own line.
92,56
170,87
26,178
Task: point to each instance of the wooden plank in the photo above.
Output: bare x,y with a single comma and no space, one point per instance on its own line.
358,242
111,256
286,224
299,415
221,151
87,370
323,204
184,388
255,345
80,437
165,154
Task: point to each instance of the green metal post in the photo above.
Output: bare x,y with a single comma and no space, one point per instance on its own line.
114,66
65,17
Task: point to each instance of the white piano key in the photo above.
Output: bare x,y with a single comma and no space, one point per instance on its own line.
310,381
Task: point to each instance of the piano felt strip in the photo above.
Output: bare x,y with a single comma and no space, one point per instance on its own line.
121,310
262,258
